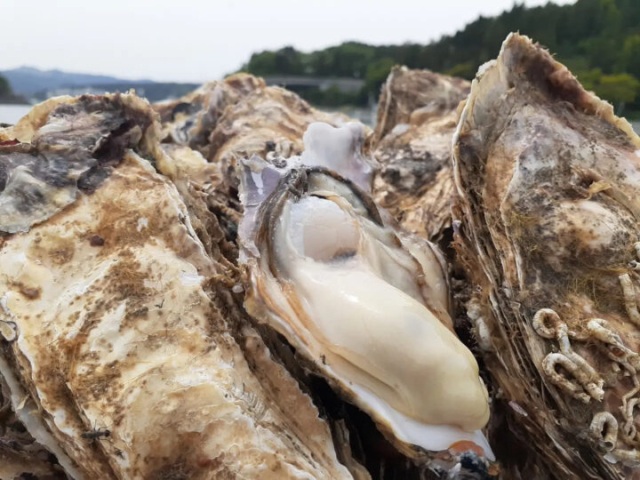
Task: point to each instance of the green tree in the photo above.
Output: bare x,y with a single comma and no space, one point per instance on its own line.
630,57
465,70
377,73
263,63
5,87
618,89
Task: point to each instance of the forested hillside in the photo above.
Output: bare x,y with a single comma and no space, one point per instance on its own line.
6,93
598,39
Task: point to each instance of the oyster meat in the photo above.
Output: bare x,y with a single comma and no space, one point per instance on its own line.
548,182
366,306
417,116
121,344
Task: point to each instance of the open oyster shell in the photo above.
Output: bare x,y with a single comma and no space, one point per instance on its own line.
121,343
548,182
417,116
367,306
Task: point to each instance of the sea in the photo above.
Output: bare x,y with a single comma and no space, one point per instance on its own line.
12,113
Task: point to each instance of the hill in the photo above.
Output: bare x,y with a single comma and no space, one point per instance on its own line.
598,39
40,84
29,81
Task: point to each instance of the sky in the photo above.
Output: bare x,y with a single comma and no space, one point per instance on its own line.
200,40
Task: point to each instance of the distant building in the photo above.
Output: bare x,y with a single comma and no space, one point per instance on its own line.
298,83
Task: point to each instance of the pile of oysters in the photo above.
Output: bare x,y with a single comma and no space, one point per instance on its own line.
237,285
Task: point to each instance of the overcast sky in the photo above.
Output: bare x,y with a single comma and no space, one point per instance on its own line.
199,40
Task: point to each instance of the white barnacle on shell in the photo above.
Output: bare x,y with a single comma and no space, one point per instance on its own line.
367,305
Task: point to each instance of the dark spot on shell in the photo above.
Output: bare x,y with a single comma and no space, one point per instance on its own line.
30,292
96,241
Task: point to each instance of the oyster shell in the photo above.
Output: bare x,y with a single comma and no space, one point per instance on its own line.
366,306
417,116
120,335
269,122
20,455
190,120
548,181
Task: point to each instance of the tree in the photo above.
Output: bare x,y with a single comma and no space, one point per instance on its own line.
630,57
263,63
618,89
377,73
5,87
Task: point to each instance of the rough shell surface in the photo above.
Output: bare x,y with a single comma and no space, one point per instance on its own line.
138,320
190,120
269,122
417,116
548,182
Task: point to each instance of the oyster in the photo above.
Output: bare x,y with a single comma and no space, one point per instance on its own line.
268,122
122,346
190,120
417,116
366,306
548,182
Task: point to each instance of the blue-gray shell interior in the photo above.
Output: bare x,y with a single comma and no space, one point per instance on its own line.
74,150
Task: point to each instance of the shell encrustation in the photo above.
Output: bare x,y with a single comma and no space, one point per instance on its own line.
548,181
366,305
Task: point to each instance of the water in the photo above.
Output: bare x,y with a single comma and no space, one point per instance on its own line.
12,113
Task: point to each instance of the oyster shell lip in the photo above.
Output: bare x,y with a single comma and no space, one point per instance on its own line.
416,439
277,271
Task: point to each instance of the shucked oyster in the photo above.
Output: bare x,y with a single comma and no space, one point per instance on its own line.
120,344
366,305
549,186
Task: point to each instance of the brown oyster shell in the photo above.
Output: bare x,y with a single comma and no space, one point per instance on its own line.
268,122
190,119
417,116
116,316
548,181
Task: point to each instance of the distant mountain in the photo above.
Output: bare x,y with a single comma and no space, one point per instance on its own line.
29,81
38,84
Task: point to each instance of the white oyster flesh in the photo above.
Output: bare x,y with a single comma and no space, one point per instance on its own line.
339,149
346,291
371,324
